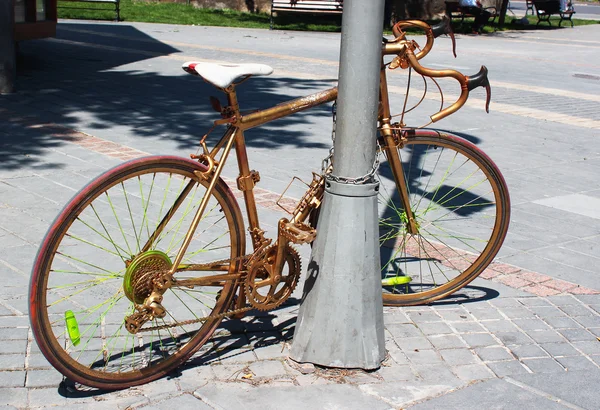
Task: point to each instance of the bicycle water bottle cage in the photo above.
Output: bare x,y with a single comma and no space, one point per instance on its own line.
224,75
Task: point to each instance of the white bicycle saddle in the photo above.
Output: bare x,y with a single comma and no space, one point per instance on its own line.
222,75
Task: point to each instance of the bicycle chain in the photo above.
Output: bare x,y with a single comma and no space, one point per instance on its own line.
192,321
327,163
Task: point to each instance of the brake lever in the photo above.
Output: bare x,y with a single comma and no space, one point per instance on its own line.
444,27
481,80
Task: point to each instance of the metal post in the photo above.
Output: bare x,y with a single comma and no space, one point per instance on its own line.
7,47
340,322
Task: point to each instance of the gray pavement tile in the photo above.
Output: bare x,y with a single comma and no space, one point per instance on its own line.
471,372
562,322
517,312
560,349
242,355
182,402
589,321
545,336
454,315
12,361
501,325
46,397
228,395
577,310
485,395
578,363
43,378
435,328
588,347
564,300
590,299
507,368
12,379
595,331
396,373
543,365
447,342
271,351
455,357
424,356
440,373
513,338
467,327
493,353
575,335
268,368
403,330
534,301
547,311
228,372
423,316
412,343
479,340
578,388
531,324
14,346
528,351
485,314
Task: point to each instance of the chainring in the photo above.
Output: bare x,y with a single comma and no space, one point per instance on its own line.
265,289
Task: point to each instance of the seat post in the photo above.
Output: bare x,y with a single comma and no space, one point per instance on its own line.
232,101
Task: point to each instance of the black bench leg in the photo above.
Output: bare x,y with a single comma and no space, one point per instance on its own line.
118,10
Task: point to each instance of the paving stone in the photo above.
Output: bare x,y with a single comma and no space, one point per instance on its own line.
435,373
513,338
518,313
12,379
12,362
545,336
267,368
500,326
589,321
272,351
14,346
424,357
37,361
486,314
455,357
470,372
507,368
404,330
543,365
237,356
183,402
467,327
577,310
560,349
575,335
563,322
46,397
423,316
578,363
11,333
531,324
564,300
545,312
505,303
43,378
446,342
534,301
454,315
479,340
493,353
397,373
435,328
587,347
528,351
412,343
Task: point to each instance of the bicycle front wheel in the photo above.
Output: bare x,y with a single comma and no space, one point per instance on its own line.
461,210
101,258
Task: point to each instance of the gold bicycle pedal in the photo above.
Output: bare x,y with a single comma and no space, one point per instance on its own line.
298,233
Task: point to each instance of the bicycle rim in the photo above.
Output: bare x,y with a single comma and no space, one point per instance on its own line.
92,267
461,208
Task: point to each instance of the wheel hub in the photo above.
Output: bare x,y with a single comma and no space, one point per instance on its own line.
138,282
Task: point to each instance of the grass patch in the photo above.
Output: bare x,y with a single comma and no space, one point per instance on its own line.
181,13
513,23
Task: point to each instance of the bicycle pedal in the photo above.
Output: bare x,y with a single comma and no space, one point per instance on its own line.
299,233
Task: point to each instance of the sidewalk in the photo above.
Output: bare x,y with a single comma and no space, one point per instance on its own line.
520,332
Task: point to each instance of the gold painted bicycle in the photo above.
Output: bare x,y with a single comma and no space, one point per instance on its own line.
137,272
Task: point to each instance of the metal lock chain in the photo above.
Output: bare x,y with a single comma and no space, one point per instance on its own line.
327,163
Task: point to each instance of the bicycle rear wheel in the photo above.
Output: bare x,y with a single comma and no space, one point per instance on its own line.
461,207
99,260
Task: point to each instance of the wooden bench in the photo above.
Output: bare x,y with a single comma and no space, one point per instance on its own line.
115,2
454,11
546,8
306,6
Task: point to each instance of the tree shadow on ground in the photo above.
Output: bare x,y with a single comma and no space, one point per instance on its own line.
99,79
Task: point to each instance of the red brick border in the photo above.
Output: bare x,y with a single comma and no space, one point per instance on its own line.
509,275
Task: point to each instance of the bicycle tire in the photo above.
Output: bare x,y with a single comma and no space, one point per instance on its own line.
78,298
462,219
